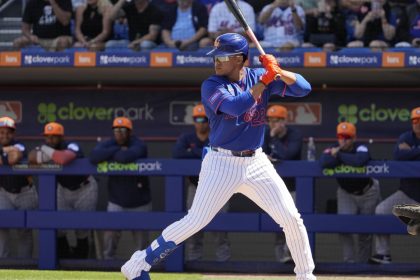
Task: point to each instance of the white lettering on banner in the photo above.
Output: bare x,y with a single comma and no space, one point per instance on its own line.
161,59
189,59
343,59
11,59
150,166
413,60
377,169
314,59
37,59
392,60
282,60
114,59
84,59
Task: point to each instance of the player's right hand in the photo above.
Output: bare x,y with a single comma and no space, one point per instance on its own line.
268,59
272,72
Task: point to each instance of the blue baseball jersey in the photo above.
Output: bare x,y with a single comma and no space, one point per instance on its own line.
237,121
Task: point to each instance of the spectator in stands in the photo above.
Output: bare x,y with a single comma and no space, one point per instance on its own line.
327,28
46,23
283,23
411,23
144,22
282,142
185,25
406,149
351,9
190,146
93,24
354,195
74,193
375,26
125,193
16,192
222,21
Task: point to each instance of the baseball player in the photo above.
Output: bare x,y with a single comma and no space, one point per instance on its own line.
282,142
406,149
16,192
235,101
79,193
125,193
354,195
190,145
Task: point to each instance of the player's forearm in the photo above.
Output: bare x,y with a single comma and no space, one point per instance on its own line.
412,154
237,105
60,157
297,88
102,154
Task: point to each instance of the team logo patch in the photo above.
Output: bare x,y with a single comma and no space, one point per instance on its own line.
49,128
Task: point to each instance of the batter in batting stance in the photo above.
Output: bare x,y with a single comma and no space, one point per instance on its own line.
235,100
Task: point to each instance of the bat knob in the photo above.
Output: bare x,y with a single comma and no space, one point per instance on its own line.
277,77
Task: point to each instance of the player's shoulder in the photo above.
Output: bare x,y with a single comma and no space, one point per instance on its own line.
213,81
360,147
71,145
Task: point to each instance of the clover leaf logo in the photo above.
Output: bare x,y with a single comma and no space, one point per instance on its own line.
328,171
102,167
347,113
46,112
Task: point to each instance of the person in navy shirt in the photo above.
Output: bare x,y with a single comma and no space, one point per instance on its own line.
75,192
190,146
125,193
354,195
406,149
17,192
235,100
282,142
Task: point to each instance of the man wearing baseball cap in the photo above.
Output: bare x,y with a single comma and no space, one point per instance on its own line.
282,142
125,193
406,149
16,192
354,195
190,146
75,192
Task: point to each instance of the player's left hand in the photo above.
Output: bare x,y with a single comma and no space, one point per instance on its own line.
272,72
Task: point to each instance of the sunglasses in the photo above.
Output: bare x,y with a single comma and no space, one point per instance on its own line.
223,58
344,137
415,121
201,120
120,129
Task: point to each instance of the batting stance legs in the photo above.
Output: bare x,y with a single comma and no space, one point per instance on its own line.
221,176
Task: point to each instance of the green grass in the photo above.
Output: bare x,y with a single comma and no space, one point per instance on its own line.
9,274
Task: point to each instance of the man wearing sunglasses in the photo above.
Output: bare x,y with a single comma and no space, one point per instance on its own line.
79,193
354,195
125,193
190,146
406,149
235,100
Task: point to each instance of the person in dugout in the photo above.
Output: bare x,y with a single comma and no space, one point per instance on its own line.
74,193
17,192
282,142
354,195
125,193
190,146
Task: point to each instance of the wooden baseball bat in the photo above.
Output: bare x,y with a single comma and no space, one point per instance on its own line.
237,13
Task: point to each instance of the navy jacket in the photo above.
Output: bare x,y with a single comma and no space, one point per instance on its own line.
411,187
288,147
358,156
125,191
189,146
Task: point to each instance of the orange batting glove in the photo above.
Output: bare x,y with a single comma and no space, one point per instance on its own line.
267,59
272,72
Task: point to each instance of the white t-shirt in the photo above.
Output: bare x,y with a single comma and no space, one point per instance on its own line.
280,29
220,17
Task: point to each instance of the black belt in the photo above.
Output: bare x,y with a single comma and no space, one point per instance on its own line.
245,153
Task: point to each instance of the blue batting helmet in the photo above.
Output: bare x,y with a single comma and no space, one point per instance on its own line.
230,44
